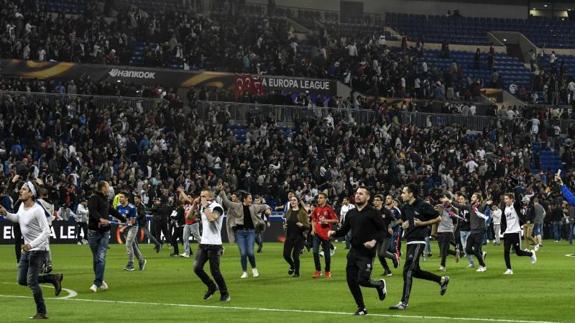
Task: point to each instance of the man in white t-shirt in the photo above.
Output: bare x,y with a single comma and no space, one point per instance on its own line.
211,248
471,166
345,207
36,232
512,233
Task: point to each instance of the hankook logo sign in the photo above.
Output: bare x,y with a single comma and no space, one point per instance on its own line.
115,72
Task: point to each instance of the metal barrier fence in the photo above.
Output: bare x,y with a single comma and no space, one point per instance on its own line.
281,113
98,100
245,112
477,123
242,112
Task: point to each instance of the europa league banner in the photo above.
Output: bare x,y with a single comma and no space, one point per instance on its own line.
264,84
259,85
164,77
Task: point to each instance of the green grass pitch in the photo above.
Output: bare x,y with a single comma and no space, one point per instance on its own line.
169,291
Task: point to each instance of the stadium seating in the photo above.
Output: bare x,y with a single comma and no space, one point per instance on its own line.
63,6
544,32
510,69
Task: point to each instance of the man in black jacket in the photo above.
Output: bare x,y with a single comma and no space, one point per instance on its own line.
99,231
143,222
367,228
161,210
177,224
416,218
476,226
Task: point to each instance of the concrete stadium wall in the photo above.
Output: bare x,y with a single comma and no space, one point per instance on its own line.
414,7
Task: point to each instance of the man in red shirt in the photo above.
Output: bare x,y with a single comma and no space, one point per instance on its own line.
191,225
322,219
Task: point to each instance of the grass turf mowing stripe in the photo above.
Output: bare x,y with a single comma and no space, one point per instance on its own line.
280,310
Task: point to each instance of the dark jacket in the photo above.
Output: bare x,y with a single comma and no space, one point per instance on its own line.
163,211
141,218
302,218
99,207
365,225
476,223
179,219
418,210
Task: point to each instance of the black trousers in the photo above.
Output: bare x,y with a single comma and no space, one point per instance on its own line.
512,240
177,233
474,243
81,226
383,252
161,226
17,241
260,240
444,239
211,253
358,273
292,250
412,270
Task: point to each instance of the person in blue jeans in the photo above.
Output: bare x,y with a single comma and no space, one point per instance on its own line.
246,219
31,219
464,228
556,215
99,232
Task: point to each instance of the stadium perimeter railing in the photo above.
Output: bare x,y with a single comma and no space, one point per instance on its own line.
98,100
290,114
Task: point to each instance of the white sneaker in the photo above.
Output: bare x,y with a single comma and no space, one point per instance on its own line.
244,275
481,269
104,286
533,257
79,243
441,268
508,272
255,273
185,255
471,266
536,248
321,253
94,288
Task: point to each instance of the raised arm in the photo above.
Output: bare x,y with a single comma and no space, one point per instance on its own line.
568,195
214,214
10,216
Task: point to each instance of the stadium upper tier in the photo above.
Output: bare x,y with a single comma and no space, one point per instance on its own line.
544,32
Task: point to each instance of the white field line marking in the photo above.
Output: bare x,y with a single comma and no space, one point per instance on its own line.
71,293
281,310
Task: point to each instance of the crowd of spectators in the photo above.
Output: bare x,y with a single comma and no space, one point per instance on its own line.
239,43
150,150
552,81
